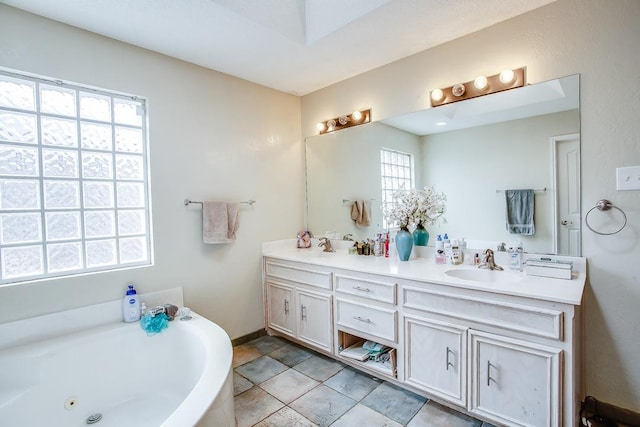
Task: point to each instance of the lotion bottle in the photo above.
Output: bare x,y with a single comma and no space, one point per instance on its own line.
131,306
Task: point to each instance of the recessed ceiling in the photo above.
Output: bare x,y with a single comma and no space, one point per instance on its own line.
296,46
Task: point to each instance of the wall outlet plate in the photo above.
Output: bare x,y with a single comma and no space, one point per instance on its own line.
628,178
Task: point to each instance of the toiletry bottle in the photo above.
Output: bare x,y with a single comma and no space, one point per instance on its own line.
515,256
476,259
131,306
386,245
440,259
447,248
456,253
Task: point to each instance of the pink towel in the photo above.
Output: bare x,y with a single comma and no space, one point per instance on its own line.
219,222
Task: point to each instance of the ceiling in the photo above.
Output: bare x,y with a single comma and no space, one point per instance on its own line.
296,46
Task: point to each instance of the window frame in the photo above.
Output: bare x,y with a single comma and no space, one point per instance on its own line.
116,237
398,181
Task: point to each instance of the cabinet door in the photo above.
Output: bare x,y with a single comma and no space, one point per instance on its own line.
314,319
436,358
514,382
281,308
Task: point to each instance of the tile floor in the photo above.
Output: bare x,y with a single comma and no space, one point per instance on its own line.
280,384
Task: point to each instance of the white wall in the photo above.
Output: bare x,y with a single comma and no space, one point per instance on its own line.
212,136
598,39
469,165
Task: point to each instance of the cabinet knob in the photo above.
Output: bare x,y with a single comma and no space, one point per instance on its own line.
362,320
286,306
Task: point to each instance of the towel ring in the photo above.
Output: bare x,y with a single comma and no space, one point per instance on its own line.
604,205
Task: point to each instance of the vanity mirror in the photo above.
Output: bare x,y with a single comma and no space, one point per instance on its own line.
470,150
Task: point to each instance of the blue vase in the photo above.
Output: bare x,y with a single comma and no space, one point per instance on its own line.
420,236
404,244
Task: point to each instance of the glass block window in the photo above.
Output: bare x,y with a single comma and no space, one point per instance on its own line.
397,173
74,194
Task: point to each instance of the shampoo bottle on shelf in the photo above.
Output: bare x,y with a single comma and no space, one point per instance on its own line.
131,306
447,248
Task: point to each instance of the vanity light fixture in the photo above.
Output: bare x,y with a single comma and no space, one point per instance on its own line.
482,85
358,117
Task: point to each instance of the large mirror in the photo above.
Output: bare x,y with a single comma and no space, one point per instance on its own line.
473,150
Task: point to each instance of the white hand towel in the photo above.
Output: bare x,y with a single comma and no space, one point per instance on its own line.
219,222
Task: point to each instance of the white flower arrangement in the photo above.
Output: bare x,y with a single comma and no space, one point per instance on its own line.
426,207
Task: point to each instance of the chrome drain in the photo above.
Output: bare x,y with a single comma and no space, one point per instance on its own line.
94,418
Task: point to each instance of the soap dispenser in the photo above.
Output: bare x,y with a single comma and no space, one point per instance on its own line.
131,306
515,256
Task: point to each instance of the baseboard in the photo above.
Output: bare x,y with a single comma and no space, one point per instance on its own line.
249,337
621,416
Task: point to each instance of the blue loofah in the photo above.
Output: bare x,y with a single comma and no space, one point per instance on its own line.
154,324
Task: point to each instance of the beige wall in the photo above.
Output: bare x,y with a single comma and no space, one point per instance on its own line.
212,136
598,39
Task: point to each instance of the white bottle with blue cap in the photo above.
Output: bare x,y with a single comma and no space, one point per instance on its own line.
131,306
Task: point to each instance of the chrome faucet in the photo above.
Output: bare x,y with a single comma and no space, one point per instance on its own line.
326,243
489,262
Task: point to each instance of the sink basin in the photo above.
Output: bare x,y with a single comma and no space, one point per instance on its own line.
485,276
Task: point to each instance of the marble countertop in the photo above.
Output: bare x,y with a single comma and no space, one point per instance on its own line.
425,269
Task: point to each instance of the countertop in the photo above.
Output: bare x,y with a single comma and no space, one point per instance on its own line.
424,269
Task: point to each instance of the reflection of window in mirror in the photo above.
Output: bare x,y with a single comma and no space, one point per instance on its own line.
397,173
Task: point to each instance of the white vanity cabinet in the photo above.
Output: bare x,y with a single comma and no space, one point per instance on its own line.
515,382
508,354
299,303
436,358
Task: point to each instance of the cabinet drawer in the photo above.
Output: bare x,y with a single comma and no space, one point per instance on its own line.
370,320
516,317
375,290
300,274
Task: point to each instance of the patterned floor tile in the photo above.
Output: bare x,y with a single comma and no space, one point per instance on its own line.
253,406
261,369
240,384
352,383
360,415
396,403
322,405
435,415
319,368
244,353
289,385
290,354
266,343
285,417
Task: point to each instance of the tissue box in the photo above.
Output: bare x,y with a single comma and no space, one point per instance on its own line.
549,268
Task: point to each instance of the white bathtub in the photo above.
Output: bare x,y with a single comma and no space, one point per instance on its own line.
180,377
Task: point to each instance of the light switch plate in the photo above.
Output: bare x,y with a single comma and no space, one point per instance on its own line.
628,178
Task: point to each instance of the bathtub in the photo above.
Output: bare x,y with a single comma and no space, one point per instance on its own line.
180,377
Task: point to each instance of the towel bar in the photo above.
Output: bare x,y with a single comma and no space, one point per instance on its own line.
540,190
188,202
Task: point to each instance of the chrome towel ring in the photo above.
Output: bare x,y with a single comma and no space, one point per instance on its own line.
604,205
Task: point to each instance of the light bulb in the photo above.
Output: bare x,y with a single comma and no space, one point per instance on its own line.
331,124
343,120
458,90
437,95
480,82
320,126
507,76
356,116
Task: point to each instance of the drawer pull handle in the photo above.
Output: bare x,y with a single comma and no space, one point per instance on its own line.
489,379
303,311
358,288
286,306
362,320
447,359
